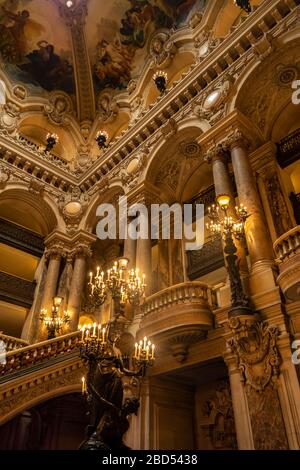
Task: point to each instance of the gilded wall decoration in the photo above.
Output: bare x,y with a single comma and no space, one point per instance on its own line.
162,50
255,344
268,427
58,108
169,174
273,81
280,214
72,207
107,107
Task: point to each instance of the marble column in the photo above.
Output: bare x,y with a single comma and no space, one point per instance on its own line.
144,262
258,239
31,325
218,157
54,255
130,251
81,253
240,405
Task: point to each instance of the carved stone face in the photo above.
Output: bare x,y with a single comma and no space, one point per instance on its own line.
104,103
60,105
157,46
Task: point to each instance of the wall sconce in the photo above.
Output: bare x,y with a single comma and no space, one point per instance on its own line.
160,79
52,140
244,5
101,139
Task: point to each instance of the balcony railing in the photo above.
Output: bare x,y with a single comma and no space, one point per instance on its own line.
181,309
287,250
288,244
188,292
12,343
27,356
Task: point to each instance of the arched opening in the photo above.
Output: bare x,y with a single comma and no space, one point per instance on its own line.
51,425
25,221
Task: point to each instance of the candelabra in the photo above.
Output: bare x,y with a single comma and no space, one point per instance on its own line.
52,140
160,79
106,364
229,228
54,322
122,290
101,139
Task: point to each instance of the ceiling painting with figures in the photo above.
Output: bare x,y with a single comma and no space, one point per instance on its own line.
117,39
34,50
39,53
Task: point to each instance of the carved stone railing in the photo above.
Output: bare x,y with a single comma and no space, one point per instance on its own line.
20,359
188,292
287,251
288,244
12,343
179,316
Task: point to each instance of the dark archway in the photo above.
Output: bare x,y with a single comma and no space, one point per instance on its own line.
57,424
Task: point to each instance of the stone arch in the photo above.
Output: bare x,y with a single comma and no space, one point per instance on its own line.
273,76
175,157
89,220
35,398
37,213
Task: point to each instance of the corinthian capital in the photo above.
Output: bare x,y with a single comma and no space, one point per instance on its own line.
55,252
82,251
215,153
237,139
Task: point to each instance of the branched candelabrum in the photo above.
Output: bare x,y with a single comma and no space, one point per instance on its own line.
106,364
230,228
55,321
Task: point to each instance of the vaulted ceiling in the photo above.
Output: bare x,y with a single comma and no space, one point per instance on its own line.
79,66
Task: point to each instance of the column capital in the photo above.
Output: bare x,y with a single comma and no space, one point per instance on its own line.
236,138
55,251
217,152
82,250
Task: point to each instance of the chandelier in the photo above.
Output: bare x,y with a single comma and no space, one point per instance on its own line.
230,227
52,140
54,322
222,223
160,79
122,286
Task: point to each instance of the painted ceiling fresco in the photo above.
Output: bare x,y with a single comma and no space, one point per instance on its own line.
35,45
117,34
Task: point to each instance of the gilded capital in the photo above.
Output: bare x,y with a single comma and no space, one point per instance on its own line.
217,152
237,139
82,251
55,252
